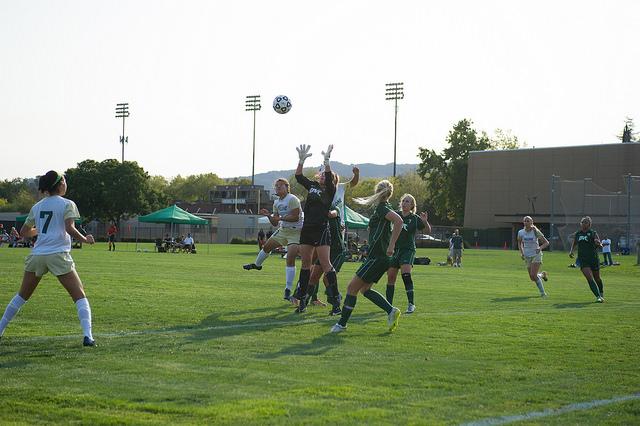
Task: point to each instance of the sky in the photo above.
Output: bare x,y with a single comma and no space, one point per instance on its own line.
554,73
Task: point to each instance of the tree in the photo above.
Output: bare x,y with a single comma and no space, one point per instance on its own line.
503,139
628,135
193,187
446,173
18,194
111,190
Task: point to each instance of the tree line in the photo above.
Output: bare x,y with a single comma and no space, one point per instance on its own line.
112,190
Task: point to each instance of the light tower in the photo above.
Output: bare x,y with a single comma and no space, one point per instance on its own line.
122,111
393,92
252,103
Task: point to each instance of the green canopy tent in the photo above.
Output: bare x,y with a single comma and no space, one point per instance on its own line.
173,215
355,220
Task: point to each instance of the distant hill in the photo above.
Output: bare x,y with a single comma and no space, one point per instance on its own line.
367,170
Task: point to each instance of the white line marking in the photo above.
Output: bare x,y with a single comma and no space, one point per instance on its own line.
579,406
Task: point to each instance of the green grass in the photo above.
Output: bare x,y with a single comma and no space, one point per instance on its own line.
196,339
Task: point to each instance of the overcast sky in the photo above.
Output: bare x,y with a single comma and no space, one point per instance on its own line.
553,72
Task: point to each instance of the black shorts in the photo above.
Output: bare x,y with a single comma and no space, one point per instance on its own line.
112,238
315,235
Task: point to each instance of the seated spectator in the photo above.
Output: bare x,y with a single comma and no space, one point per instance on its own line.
188,244
4,238
168,242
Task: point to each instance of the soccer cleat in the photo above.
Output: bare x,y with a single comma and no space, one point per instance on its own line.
250,266
287,294
302,306
544,295
544,275
335,311
600,300
337,328
393,318
317,302
88,342
411,308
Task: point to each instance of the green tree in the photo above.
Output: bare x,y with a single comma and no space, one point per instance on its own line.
446,173
504,139
111,190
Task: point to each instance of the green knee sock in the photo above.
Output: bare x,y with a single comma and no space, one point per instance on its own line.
378,299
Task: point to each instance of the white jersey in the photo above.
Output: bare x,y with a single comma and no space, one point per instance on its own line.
530,241
338,200
48,216
284,206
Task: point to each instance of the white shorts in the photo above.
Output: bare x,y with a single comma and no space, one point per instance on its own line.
57,263
286,236
533,259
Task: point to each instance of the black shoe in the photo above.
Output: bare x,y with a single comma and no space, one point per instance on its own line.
250,266
88,342
302,307
335,311
287,294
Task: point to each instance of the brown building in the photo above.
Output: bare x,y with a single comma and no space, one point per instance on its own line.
247,199
504,186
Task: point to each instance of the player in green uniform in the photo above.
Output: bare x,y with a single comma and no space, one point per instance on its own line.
406,249
382,245
588,242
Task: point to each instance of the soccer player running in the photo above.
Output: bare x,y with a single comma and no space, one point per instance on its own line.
288,218
52,219
381,247
529,243
588,242
337,251
315,234
405,250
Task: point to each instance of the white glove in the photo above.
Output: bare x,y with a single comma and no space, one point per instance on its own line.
327,154
303,152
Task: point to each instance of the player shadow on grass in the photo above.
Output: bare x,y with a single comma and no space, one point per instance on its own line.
325,342
572,305
223,324
514,299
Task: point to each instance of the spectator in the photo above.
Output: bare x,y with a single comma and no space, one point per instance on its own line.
456,248
261,239
188,244
606,251
4,237
111,236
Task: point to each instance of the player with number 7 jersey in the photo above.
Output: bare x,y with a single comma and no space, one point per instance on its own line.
52,220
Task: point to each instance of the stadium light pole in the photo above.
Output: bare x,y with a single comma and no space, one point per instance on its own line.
252,103
394,92
122,111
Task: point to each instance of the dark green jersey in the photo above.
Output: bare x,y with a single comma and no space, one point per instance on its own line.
407,238
379,231
337,242
586,243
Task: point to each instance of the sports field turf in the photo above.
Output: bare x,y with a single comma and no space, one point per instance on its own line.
196,339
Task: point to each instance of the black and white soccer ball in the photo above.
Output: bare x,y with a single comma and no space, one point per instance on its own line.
282,104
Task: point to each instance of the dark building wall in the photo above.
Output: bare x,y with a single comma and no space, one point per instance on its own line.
502,186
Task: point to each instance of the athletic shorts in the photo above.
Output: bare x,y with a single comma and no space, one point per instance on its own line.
112,238
315,235
402,257
286,236
56,263
537,258
456,253
373,269
336,257
594,264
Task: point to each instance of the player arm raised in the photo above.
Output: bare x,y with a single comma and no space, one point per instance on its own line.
424,217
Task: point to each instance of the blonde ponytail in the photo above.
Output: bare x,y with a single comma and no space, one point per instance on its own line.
383,191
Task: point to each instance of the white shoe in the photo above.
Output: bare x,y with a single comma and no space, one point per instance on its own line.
410,309
544,295
337,328
393,318
600,300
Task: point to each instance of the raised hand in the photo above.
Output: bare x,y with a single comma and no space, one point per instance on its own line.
424,216
303,152
327,154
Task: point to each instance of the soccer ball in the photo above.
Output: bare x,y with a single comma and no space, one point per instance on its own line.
282,104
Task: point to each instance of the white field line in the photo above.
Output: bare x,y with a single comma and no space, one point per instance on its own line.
579,406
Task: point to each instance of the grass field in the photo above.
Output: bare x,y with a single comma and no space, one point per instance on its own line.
196,339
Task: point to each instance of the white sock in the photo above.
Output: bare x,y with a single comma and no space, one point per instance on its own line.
290,273
84,314
12,309
540,285
262,256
